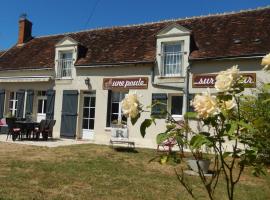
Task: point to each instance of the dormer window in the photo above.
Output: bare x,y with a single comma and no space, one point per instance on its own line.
172,59
65,63
66,53
173,47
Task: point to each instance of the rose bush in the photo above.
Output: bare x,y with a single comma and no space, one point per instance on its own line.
228,124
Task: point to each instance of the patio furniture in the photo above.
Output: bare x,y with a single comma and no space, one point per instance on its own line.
47,132
13,130
167,145
119,135
40,129
27,127
3,126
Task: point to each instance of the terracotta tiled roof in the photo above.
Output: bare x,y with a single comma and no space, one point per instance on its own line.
227,35
2,52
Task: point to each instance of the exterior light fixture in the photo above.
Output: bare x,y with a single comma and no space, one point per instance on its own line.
87,82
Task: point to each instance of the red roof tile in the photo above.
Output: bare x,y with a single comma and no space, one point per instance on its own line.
226,35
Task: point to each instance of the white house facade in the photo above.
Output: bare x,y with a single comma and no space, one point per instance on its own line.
79,79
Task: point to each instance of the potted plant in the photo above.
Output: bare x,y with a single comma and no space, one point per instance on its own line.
199,162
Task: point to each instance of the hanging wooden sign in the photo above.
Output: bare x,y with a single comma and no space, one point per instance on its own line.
208,80
125,83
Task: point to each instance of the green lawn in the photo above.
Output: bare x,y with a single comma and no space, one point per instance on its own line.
98,172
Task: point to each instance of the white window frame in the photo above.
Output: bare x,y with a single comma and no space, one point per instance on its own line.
13,101
61,63
180,64
175,117
119,113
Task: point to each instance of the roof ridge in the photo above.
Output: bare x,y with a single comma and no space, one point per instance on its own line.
161,21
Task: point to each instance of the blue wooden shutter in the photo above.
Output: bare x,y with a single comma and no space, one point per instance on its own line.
20,105
69,113
50,104
2,103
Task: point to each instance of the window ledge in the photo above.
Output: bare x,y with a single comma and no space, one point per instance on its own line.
169,77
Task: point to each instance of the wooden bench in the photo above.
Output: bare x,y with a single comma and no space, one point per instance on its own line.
119,135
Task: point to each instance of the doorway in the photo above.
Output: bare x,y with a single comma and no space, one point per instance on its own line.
88,118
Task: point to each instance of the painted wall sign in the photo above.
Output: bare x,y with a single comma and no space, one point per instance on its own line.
208,80
125,83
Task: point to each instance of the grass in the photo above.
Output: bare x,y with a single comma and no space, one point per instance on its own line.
98,172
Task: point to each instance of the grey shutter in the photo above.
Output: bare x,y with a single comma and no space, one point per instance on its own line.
50,104
159,100
29,102
69,113
109,105
2,103
20,105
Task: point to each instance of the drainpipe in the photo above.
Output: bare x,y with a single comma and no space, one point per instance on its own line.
186,89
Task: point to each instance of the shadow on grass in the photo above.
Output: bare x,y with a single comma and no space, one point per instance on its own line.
125,149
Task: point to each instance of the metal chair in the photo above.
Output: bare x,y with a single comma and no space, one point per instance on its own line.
47,132
12,129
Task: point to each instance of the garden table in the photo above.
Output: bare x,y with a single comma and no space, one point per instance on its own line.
27,127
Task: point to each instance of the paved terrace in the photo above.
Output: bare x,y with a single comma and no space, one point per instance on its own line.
49,143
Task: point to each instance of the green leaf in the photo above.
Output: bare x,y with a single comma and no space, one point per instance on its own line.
231,128
198,140
226,154
146,123
191,115
246,125
134,120
161,137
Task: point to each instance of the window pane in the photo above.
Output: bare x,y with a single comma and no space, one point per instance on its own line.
92,112
115,107
11,95
45,106
86,113
85,123
91,124
10,104
176,105
93,101
40,105
86,101
115,96
172,59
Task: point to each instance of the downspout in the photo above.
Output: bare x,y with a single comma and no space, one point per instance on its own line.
186,89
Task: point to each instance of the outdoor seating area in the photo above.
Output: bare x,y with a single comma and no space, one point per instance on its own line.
27,129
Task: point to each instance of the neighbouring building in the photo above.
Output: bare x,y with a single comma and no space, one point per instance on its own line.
80,78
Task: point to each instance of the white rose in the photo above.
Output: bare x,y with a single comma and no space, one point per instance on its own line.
223,82
234,71
226,79
130,105
266,62
228,105
205,105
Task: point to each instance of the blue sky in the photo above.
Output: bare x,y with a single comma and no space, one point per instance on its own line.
59,16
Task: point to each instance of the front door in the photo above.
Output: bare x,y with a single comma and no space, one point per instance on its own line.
88,123
42,103
69,113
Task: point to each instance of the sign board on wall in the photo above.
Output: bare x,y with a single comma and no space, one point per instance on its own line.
208,80
125,83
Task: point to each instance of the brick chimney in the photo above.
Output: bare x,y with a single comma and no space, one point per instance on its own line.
25,30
